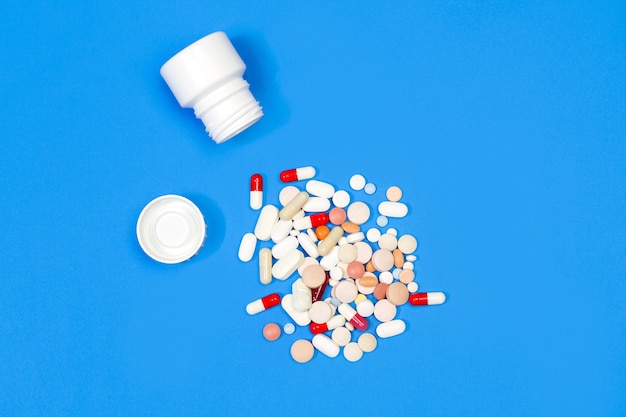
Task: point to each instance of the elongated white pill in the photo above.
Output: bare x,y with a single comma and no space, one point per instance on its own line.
355,237
281,230
301,299
284,246
265,266
307,244
316,205
320,189
331,260
390,328
287,264
301,318
325,345
294,206
266,221
393,209
247,247
330,241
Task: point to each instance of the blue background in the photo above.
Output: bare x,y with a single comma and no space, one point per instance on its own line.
504,123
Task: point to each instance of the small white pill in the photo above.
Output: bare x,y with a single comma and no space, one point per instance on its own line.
369,188
281,230
390,329
411,258
412,287
281,249
325,345
382,221
247,247
300,317
265,222
365,308
320,189
287,264
392,231
287,194
342,241
358,212
336,273
352,352
289,328
332,259
357,182
373,235
355,237
385,277
367,342
393,209
301,299
307,244
341,336
341,199
316,205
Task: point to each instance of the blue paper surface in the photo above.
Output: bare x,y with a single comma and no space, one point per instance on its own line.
503,122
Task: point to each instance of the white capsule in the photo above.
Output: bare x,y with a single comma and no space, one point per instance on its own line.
294,206
287,264
281,230
265,266
284,246
325,345
320,189
390,328
300,317
301,295
307,244
393,209
266,221
247,247
316,205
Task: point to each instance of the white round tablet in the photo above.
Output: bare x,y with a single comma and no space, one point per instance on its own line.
385,311
289,328
341,198
382,221
341,336
287,194
373,234
320,312
388,241
369,188
352,352
357,182
407,244
412,287
358,212
171,229
365,308
367,342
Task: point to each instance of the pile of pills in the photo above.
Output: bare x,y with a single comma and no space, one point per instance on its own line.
343,275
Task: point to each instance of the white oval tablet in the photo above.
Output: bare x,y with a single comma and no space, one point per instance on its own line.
357,182
281,249
265,222
320,189
247,247
281,230
307,244
301,296
390,329
325,345
355,237
393,209
287,194
341,199
316,205
170,229
288,264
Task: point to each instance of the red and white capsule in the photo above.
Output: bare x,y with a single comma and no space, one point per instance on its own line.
427,298
263,304
333,323
297,174
256,191
353,317
311,222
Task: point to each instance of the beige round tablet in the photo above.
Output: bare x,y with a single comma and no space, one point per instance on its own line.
407,244
364,252
313,276
352,352
406,276
308,261
341,336
394,193
388,241
412,287
320,312
346,291
397,293
358,212
367,342
302,351
382,260
348,253
384,311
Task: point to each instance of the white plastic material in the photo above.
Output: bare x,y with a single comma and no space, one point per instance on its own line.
208,77
171,229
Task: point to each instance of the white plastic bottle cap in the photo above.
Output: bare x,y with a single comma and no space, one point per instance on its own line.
171,229
208,76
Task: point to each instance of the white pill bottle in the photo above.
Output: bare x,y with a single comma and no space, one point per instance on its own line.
208,77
